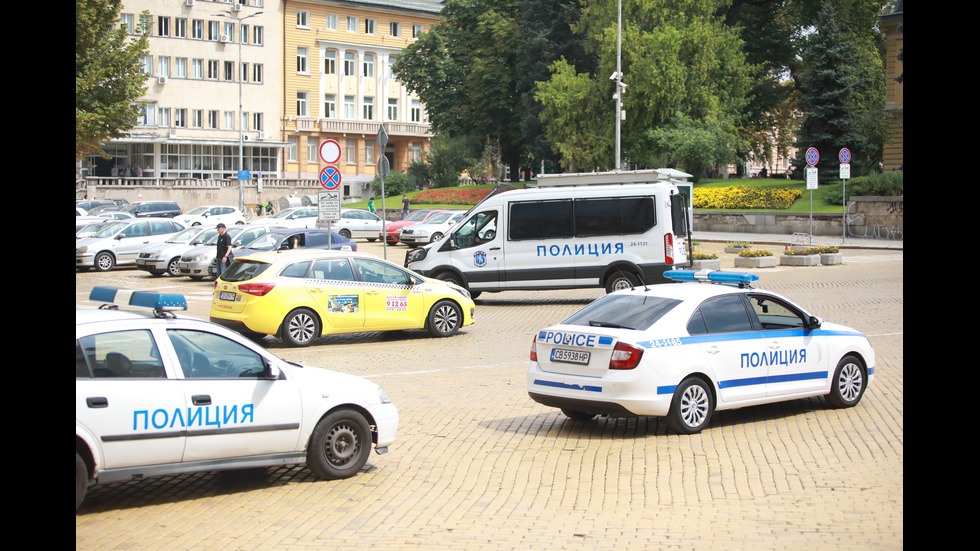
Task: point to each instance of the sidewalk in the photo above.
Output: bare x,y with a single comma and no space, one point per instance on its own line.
817,240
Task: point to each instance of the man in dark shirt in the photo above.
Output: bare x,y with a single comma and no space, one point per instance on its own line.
224,256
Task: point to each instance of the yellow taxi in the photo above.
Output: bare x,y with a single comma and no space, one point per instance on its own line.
300,295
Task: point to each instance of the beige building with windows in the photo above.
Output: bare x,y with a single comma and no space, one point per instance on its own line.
338,85
214,83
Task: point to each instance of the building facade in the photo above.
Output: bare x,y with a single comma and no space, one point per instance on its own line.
213,103
338,85
891,26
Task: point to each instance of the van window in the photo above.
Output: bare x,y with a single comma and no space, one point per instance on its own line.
617,216
541,220
478,230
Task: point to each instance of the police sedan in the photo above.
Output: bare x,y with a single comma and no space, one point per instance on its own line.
683,351
161,394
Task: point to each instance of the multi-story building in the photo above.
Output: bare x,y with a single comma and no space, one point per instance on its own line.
338,85
214,83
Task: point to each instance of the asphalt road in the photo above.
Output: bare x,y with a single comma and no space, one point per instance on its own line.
478,465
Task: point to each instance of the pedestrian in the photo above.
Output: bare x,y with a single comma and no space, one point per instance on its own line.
371,204
405,202
224,256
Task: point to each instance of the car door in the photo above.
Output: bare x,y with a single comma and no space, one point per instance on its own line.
233,409
127,399
727,338
795,355
477,251
390,298
129,241
338,296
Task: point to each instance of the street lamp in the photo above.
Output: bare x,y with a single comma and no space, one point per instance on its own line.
241,125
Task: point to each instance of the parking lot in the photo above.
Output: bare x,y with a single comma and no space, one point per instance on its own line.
478,465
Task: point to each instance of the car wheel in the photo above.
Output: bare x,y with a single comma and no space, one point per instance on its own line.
340,445
435,237
81,480
578,415
621,280
445,319
691,408
848,385
372,239
345,233
240,223
172,268
104,261
300,327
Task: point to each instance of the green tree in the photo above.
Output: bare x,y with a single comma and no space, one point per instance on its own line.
108,79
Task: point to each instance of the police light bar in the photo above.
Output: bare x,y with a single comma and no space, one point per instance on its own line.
714,276
140,299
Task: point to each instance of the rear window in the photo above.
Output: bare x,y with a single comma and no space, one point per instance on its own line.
243,270
637,312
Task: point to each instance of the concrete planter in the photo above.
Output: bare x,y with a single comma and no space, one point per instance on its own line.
799,260
735,250
710,264
756,261
830,259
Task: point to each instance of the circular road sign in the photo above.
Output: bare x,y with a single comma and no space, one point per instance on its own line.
330,177
844,155
812,156
330,151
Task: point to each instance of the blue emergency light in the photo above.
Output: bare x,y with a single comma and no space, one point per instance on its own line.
714,276
140,299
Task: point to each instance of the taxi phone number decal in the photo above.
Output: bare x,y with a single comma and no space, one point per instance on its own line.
396,304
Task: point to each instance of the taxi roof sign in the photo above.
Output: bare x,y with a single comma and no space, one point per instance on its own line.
140,299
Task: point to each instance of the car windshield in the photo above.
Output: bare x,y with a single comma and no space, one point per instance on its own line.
418,215
243,269
283,213
438,218
198,210
110,229
185,236
637,312
266,242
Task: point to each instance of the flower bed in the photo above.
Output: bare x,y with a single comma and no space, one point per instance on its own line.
705,261
736,197
450,196
750,258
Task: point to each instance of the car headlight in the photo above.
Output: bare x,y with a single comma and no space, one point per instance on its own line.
202,257
416,255
155,255
383,396
81,250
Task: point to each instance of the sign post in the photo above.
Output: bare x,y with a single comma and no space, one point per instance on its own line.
812,181
330,178
844,156
382,142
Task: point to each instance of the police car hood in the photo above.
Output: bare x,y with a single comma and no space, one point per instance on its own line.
328,381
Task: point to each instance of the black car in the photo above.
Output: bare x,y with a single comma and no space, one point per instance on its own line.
156,209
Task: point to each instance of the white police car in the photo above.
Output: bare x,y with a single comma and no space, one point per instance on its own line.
685,350
158,394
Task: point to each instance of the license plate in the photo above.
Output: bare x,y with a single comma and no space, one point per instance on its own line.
570,356
226,295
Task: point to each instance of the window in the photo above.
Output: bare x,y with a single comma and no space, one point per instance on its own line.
417,31
213,33
163,116
180,118
334,268
244,34
302,64
774,315
330,62
725,314
631,311
368,109
244,74
213,69
163,26
197,68
331,22
244,121
415,151
368,152
180,27
120,354
127,20
479,229
163,66
197,29
615,216
292,144
312,153
303,19
257,34
148,115
180,67
147,68
214,119
330,106
392,109
391,63
196,349
302,101
351,24
368,65
541,220
370,26
197,118
351,151
349,64
229,33
416,110
350,108
396,28
257,72
229,120
229,72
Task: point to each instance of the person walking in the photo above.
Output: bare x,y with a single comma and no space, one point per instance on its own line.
405,202
371,204
224,256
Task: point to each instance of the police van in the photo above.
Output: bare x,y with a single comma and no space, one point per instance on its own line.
612,230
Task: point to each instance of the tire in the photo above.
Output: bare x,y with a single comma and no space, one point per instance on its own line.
345,233
445,319
81,480
692,406
621,280
578,415
435,237
372,239
848,384
104,261
300,327
340,445
172,268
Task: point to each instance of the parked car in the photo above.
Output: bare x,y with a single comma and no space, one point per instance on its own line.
355,223
296,217
432,229
163,258
195,262
149,384
300,295
89,204
685,350
85,226
154,209
120,242
287,239
392,230
213,215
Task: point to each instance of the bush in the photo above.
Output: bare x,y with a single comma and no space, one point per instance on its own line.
754,253
737,197
396,183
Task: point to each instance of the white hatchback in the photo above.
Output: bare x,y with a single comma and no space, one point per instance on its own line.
157,394
685,350
212,215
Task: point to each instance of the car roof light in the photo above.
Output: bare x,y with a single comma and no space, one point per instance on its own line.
159,302
740,279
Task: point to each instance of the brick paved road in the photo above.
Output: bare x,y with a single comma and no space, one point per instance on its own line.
478,465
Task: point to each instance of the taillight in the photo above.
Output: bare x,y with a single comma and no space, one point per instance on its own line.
256,289
669,248
625,356
534,349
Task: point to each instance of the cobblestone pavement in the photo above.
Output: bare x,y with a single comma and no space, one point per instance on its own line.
479,466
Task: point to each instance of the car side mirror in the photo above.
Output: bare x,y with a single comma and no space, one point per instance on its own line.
813,323
271,371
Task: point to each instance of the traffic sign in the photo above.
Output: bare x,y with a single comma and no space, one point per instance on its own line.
844,155
812,156
328,205
330,151
812,180
330,177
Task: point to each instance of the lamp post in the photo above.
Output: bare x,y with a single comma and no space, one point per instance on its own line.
241,125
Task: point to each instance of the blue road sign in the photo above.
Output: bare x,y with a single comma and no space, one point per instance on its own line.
330,177
812,156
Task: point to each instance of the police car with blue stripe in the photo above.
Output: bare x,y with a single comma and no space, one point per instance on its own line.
684,350
161,394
